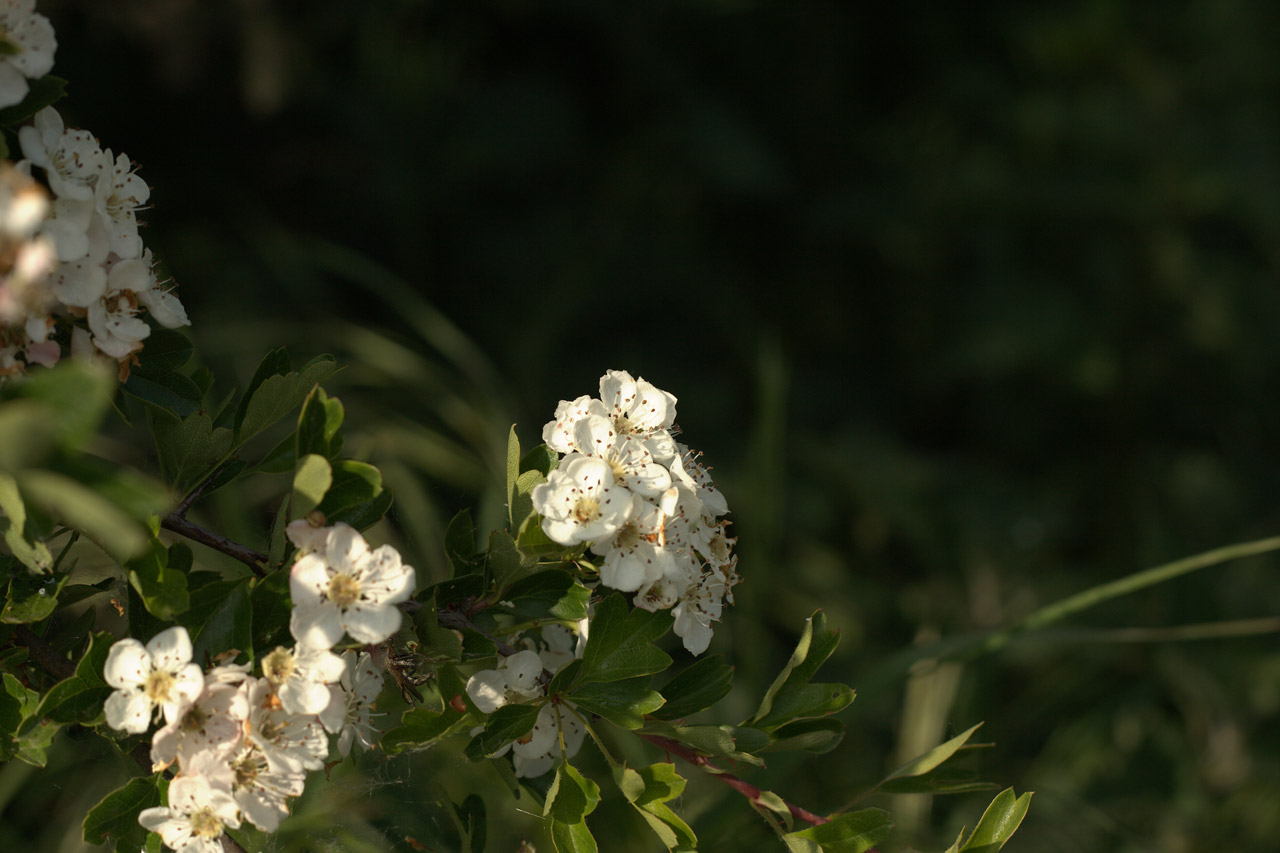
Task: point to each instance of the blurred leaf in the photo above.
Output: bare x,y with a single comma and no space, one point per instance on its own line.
698,686
85,510
504,561
32,554
318,424
270,607
362,516
30,747
621,642
816,736
166,392
460,543
649,789
166,349
622,702
572,837
922,764
310,483
278,539
853,832
115,817
470,819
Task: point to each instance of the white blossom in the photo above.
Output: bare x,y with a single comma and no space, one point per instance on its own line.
213,723
517,679
158,675
260,790
300,677
291,743
347,587
579,502
195,818
351,700
29,47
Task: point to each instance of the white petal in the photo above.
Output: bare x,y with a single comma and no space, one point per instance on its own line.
128,711
371,623
128,664
171,649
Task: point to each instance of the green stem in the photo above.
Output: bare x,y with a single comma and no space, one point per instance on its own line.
613,762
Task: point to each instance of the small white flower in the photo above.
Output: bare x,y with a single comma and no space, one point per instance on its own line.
351,700
637,407
158,675
213,723
291,743
537,753
347,587
194,820
517,679
118,193
700,606
579,502
30,45
300,677
628,456
72,159
558,434
261,790
638,553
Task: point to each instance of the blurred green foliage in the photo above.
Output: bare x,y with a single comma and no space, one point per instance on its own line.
968,303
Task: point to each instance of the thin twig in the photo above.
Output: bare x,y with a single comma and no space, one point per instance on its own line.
45,656
746,789
458,620
251,558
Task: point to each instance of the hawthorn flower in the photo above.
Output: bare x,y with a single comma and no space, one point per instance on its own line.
71,159
347,587
580,502
290,742
300,677
536,753
628,456
348,713
639,408
28,45
158,675
213,723
517,679
559,434
700,606
260,790
194,820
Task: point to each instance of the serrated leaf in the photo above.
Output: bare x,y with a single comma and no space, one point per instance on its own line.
189,447
621,642
791,697
697,687
999,822
503,726
166,349
274,392
571,796
116,815
852,832
310,483
622,702
648,790
807,702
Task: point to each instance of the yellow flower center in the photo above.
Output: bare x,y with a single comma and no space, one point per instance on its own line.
205,824
344,590
586,510
158,686
278,665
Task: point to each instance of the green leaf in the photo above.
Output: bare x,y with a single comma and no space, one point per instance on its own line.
550,594
922,764
86,510
503,726
621,642
278,540
522,497
163,590
67,401
571,797
31,553
190,447
318,424
29,600
622,702
116,815
1001,819
364,515
273,392
46,91
167,349
791,697
852,832
572,838
698,687
220,619
513,471
649,789
542,459
504,561
816,736
354,483
423,727
270,606
460,543
166,392
310,483
78,699
940,780
470,818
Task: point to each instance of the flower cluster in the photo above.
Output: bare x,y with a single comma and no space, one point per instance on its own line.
242,745
523,677
102,279
642,501
26,49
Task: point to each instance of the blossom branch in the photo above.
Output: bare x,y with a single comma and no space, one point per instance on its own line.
45,656
746,789
180,525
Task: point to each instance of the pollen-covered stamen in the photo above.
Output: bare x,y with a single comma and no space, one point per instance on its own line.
205,824
247,767
344,590
586,510
158,686
279,665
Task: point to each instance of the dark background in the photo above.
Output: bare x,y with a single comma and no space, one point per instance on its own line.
970,306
